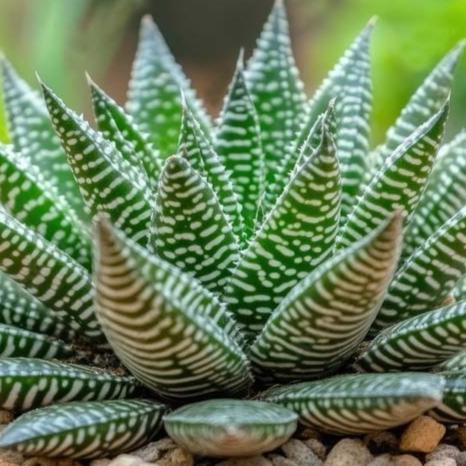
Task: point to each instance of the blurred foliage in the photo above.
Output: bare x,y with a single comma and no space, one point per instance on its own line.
410,37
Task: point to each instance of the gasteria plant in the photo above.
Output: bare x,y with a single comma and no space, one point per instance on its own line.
219,260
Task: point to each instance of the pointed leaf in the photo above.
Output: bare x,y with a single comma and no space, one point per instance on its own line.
154,91
251,427
456,363
428,276
239,147
418,343
360,403
165,328
27,383
321,322
276,89
190,228
452,410
84,429
33,137
399,183
295,237
108,183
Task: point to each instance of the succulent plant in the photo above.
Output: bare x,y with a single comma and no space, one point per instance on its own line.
249,273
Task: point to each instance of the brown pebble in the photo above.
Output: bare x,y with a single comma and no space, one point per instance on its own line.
250,461
381,442
405,460
349,452
176,457
6,416
461,436
422,435
309,433
10,456
300,453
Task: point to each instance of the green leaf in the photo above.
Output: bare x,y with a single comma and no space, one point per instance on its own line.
33,137
428,276
456,363
154,91
239,147
444,195
190,228
276,89
324,318
172,334
119,127
27,383
108,183
16,342
49,274
295,237
225,428
198,150
452,410
84,429
360,403
418,343
32,200
399,183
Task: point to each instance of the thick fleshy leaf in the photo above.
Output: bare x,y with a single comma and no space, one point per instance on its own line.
295,237
399,183
239,147
171,333
445,194
428,276
276,89
49,274
117,126
190,228
108,183
321,322
32,200
27,383
16,342
84,429
361,403
154,91
456,363
453,406
418,343
230,427
33,137
20,309
198,150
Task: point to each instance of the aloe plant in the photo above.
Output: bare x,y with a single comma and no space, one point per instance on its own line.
202,262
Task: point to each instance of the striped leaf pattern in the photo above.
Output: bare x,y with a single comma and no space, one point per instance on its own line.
169,332
252,427
276,89
27,196
360,403
295,237
399,184
239,147
190,228
33,137
108,183
427,277
453,407
154,98
456,363
84,429
418,343
27,383
319,325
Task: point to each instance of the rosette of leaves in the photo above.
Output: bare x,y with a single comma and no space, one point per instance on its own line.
164,259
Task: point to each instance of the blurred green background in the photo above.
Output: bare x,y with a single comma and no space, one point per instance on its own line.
62,38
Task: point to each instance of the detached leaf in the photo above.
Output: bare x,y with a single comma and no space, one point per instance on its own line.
34,139
360,403
190,228
239,147
324,318
399,183
108,183
172,334
154,91
84,429
276,89
295,237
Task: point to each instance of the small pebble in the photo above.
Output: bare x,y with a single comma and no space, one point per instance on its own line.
349,452
405,460
176,457
278,460
461,436
443,451
317,447
128,460
422,435
442,462
382,460
6,416
382,442
10,456
151,452
461,459
251,461
300,453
